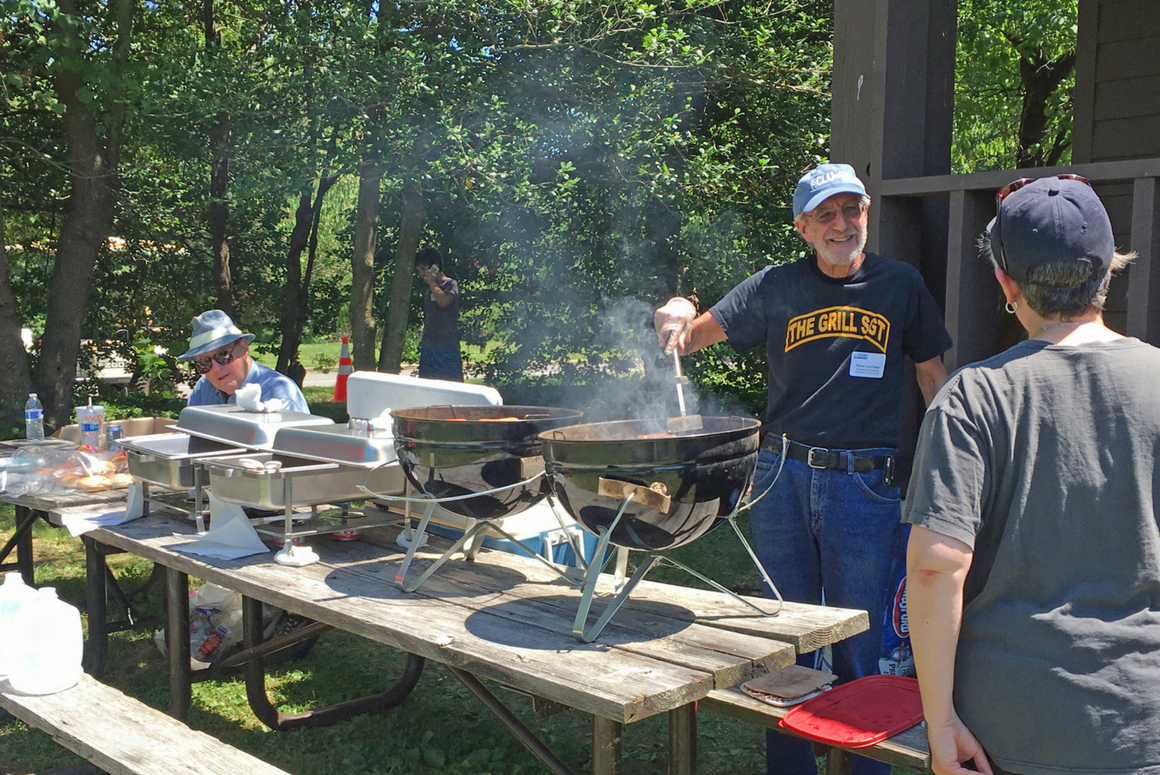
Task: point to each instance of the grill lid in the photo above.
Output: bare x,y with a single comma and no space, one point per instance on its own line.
230,424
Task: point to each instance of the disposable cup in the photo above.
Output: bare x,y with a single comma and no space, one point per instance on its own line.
92,422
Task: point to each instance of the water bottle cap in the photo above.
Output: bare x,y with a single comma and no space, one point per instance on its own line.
32,395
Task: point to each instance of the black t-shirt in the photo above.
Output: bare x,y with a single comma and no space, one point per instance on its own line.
835,346
441,324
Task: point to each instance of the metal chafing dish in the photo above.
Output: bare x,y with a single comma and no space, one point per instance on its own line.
171,462
231,425
312,466
167,459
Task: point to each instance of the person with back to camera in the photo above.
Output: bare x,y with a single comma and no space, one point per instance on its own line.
439,356
836,326
1034,560
220,352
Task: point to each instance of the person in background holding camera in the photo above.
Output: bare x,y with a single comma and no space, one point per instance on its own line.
439,356
837,326
220,352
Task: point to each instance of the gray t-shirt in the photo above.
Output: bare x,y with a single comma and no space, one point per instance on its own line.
1044,460
441,324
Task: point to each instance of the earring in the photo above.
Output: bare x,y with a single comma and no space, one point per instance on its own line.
1011,307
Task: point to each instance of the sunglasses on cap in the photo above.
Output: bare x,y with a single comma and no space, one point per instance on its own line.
222,357
1011,188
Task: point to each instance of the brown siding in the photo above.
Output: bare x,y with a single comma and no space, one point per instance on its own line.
1125,19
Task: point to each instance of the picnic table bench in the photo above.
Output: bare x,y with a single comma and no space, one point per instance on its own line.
124,736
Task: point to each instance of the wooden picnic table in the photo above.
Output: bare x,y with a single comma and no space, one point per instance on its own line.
508,619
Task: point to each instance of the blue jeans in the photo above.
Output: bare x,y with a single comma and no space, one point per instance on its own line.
831,530
440,364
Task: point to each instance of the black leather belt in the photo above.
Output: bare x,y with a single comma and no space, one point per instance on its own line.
833,459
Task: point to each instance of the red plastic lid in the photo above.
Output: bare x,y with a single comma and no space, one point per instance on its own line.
860,713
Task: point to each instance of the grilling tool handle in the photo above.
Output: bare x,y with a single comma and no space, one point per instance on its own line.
680,382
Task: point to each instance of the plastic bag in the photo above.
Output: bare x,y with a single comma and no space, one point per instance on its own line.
215,627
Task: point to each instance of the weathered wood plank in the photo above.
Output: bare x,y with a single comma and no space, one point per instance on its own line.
906,749
124,736
1127,59
1126,138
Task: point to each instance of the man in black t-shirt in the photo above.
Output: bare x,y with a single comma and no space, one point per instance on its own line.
439,356
836,326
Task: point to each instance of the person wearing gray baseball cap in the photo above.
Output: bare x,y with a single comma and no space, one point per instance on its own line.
1034,559
837,326
220,352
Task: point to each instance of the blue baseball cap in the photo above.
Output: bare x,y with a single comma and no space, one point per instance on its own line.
823,182
1052,221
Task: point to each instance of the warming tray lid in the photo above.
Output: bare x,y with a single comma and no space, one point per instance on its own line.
338,444
174,446
230,424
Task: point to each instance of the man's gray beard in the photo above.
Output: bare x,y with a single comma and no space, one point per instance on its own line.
853,257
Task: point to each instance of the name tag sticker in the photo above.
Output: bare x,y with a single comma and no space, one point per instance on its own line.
867,365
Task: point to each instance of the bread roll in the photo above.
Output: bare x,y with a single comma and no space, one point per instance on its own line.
94,483
120,481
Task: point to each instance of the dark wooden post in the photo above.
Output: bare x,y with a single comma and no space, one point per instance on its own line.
972,291
1144,275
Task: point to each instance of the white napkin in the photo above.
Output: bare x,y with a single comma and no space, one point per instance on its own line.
80,521
230,535
249,397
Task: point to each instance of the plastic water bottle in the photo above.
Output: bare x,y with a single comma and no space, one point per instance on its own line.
33,419
14,594
49,645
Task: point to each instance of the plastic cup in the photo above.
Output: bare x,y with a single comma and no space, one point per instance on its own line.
92,422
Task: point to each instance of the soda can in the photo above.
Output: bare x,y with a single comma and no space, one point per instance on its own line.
113,435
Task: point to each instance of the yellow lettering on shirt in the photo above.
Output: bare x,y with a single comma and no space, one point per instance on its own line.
831,322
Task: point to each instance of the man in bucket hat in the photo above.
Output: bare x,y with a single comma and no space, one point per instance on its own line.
837,327
220,352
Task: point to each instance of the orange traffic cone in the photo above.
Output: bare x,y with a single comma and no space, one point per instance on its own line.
344,370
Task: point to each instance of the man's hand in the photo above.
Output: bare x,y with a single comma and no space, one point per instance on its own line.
953,744
672,323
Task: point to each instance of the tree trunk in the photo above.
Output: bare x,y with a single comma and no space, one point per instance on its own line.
14,380
296,306
218,226
362,267
299,239
219,179
1040,77
88,219
410,227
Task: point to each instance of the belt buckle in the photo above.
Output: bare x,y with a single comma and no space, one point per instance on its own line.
819,451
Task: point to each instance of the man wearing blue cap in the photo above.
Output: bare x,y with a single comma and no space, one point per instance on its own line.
220,352
837,326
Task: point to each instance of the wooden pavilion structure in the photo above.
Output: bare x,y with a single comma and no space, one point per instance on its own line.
893,101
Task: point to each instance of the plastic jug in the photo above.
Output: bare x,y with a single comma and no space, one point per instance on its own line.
14,594
49,644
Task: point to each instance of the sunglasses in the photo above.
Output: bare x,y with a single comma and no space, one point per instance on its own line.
1011,188
222,357
851,212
